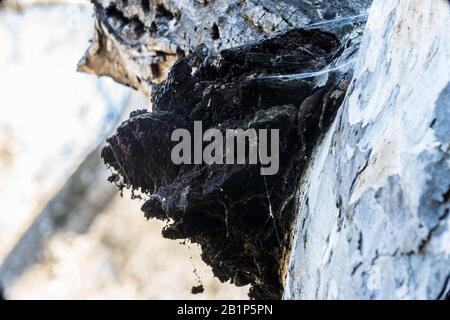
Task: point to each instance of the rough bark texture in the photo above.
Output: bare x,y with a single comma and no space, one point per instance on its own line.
372,197
373,216
137,41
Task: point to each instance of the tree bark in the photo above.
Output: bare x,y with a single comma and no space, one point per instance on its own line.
371,191
373,216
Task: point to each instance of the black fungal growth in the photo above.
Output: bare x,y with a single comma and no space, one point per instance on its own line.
240,218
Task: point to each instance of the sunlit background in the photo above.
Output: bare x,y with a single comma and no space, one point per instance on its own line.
65,233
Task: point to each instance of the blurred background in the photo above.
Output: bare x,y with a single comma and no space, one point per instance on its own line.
66,233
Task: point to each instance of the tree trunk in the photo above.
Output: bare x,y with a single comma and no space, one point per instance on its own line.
373,216
366,191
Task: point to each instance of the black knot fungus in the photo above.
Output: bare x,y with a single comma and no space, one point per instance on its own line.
240,218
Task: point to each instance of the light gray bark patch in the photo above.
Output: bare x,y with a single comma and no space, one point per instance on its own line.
441,123
391,199
389,28
348,138
366,81
435,200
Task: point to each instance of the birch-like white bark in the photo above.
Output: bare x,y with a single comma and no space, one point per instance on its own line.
373,217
